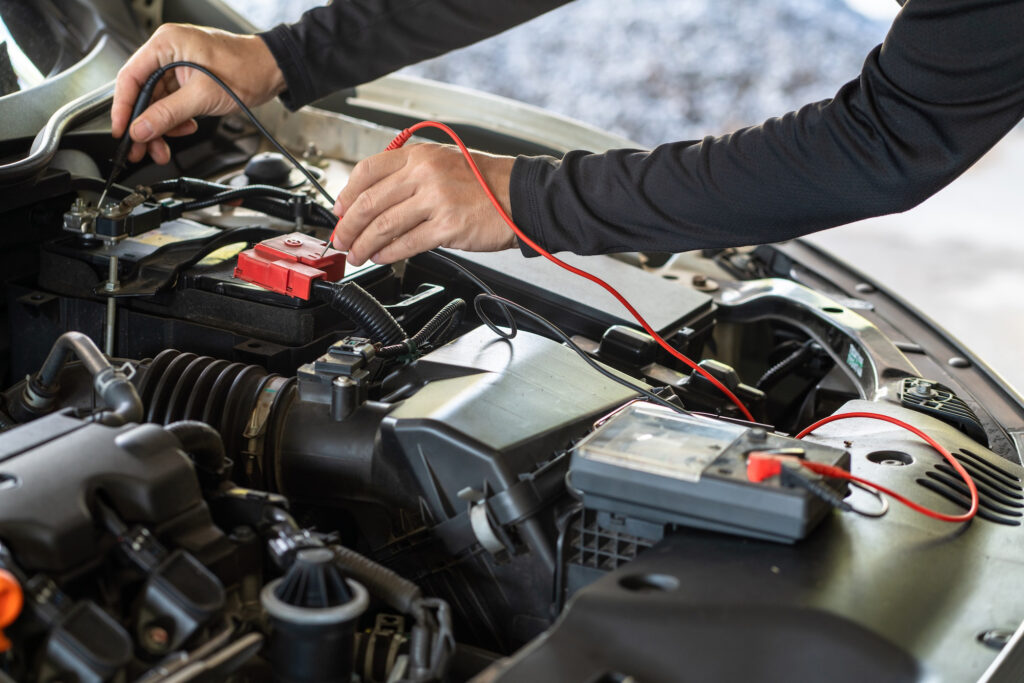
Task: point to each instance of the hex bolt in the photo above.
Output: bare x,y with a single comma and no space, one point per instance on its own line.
921,389
704,284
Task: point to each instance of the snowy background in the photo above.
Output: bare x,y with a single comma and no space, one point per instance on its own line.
659,70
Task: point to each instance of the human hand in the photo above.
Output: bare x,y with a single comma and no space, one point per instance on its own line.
243,62
412,199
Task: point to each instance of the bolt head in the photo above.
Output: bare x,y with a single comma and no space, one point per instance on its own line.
922,390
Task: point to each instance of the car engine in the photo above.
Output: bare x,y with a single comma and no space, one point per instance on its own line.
369,474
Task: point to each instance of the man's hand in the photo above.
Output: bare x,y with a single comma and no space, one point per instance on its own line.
403,202
243,62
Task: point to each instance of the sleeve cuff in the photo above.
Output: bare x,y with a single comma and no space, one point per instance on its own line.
524,185
289,59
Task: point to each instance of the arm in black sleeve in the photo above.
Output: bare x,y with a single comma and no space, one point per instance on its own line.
944,87
349,42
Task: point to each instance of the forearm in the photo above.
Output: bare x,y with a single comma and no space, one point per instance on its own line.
947,84
353,41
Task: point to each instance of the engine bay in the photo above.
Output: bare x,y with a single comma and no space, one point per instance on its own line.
368,474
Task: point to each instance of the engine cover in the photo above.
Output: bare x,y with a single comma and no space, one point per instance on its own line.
55,468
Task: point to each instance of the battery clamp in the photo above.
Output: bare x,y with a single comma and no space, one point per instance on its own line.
652,467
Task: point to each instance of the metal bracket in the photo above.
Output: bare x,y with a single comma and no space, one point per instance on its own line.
149,13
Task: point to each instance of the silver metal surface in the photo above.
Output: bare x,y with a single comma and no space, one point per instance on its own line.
868,357
47,141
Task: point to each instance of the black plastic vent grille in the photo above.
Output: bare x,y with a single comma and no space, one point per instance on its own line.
939,401
1000,494
594,546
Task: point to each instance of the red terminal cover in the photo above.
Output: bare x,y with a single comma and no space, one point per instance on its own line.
288,264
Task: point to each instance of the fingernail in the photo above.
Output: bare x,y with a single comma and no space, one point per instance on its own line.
143,131
353,260
375,258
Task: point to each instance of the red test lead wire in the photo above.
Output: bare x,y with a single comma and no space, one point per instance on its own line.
838,473
404,136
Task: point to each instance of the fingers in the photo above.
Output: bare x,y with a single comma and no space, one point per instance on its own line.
366,209
126,88
137,151
159,150
165,115
423,237
392,224
182,129
367,173
402,202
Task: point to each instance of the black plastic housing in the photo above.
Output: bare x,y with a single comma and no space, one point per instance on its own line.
139,470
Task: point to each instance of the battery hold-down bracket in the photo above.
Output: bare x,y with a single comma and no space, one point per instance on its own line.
288,264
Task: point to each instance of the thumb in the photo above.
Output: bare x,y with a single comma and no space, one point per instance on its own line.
165,114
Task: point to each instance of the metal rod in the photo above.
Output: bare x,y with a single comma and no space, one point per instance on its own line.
106,189
111,287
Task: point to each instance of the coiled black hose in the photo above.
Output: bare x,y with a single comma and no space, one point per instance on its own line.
444,320
775,373
363,308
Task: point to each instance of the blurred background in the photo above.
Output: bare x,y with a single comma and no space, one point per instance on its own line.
656,71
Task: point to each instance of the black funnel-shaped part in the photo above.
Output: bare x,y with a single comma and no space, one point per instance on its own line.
268,168
314,580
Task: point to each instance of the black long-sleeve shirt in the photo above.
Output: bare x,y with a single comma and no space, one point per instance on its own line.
945,85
